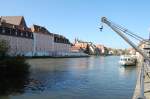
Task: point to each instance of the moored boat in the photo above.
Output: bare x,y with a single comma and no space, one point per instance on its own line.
127,60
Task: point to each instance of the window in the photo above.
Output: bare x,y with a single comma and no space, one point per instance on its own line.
13,32
0,30
31,35
3,30
10,31
21,34
7,31
16,32
26,34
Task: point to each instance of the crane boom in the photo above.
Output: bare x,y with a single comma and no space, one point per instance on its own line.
120,31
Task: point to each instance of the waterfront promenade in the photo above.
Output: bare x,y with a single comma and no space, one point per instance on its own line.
146,85
137,87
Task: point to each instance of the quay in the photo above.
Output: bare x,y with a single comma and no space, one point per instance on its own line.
146,83
142,89
137,87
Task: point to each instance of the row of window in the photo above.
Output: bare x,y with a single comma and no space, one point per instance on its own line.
25,34
15,32
61,40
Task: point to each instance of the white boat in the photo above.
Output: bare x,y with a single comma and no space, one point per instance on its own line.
127,60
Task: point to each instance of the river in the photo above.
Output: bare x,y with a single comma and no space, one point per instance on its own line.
74,78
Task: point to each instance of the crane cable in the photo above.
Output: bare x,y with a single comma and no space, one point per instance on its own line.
126,31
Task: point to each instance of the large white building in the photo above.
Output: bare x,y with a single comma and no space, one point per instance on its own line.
62,45
43,41
17,34
34,41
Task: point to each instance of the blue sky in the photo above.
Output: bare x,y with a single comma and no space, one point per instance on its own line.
81,18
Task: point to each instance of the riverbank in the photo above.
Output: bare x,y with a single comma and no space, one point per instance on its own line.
58,56
67,55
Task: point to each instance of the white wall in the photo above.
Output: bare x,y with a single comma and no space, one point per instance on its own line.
43,44
19,45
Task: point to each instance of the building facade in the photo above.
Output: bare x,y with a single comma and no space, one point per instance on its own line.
145,47
34,41
18,36
43,41
62,45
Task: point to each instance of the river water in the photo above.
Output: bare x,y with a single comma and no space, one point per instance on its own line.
74,78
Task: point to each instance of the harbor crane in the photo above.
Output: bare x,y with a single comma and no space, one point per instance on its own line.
122,32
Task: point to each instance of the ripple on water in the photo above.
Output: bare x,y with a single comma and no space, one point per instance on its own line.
77,78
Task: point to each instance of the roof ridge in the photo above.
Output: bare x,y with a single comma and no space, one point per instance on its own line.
16,20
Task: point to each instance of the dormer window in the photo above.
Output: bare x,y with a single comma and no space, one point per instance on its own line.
13,26
23,28
38,30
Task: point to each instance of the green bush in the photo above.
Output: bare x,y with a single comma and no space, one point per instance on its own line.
14,71
4,48
16,64
14,75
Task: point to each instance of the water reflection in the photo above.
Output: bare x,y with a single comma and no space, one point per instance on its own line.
126,70
12,81
74,78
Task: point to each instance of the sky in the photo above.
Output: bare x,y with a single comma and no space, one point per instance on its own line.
82,18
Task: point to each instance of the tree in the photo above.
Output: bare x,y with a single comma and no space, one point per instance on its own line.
4,48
